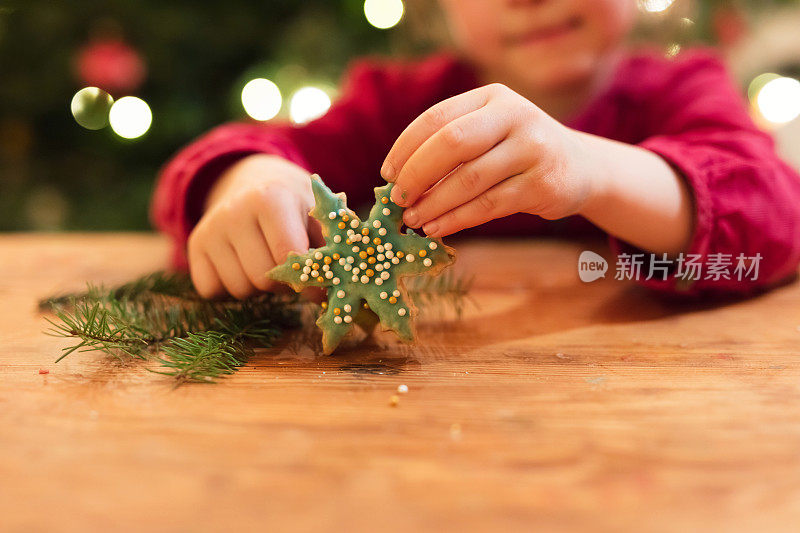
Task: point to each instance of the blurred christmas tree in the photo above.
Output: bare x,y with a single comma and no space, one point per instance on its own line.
189,61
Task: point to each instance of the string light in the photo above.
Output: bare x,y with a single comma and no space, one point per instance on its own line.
308,104
778,101
130,117
383,14
261,99
655,6
90,108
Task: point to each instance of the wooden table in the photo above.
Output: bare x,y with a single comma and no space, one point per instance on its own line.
556,404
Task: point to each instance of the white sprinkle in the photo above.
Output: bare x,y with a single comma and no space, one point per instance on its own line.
363,266
354,223
342,212
427,262
337,319
395,260
336,281
379,257
379,248
432,246
303,277
378,267
348,268
331,215
354,279
387,264
318,256
401,311
384,295
337,238
384,275
378,281
382,232
365,239
388,246
350,259
325,268
364,279
350,232
348,319
356,270
402,389
306,269
314,273
328,274
340,293
309,262
376,224
387,211
342,261
410,258
396,293
347,308
356,249
389,253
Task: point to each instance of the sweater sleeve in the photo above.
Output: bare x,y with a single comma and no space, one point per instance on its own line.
346,146
746,233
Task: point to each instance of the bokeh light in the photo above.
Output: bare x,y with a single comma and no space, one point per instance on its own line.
383,14
90,108
130,117
758,83
778,101
308,104
655,6
261,99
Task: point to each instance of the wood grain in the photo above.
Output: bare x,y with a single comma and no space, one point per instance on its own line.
555,405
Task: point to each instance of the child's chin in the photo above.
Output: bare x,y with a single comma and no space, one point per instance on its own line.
562,75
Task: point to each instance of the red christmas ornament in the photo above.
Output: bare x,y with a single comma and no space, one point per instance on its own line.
110,64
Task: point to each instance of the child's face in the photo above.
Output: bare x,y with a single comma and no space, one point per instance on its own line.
545,44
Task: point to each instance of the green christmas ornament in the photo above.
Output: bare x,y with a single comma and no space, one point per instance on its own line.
362,265
90,107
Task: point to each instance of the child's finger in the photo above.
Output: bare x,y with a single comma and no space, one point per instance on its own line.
204,275
282,225
426,125
498,201
230,271
462,140
465,183
253,252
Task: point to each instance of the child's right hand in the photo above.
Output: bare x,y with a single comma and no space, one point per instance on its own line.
256,213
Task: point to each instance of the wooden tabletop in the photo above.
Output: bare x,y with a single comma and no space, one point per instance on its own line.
553,404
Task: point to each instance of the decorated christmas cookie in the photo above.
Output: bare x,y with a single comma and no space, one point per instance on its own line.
362,264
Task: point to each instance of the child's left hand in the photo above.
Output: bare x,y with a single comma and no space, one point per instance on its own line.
486,154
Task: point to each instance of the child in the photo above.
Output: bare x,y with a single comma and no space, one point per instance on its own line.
541,113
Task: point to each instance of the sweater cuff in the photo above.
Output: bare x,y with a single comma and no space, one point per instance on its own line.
696,175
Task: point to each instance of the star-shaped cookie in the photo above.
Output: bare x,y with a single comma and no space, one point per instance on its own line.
362,262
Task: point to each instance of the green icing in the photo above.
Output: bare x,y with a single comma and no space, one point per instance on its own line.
350,279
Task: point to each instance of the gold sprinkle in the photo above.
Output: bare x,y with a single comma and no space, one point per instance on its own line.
370,273
362,254
423,253
392,300
328,259
365,231
400,254
345,218
315,266
320,279
296,266
376,241
371,260
341,225
366,305
337,311
324,305
385,200
394,399
336,257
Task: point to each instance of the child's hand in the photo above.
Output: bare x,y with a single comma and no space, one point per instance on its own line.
482,155
256,213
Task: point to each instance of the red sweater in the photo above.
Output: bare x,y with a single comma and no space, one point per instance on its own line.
687,110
